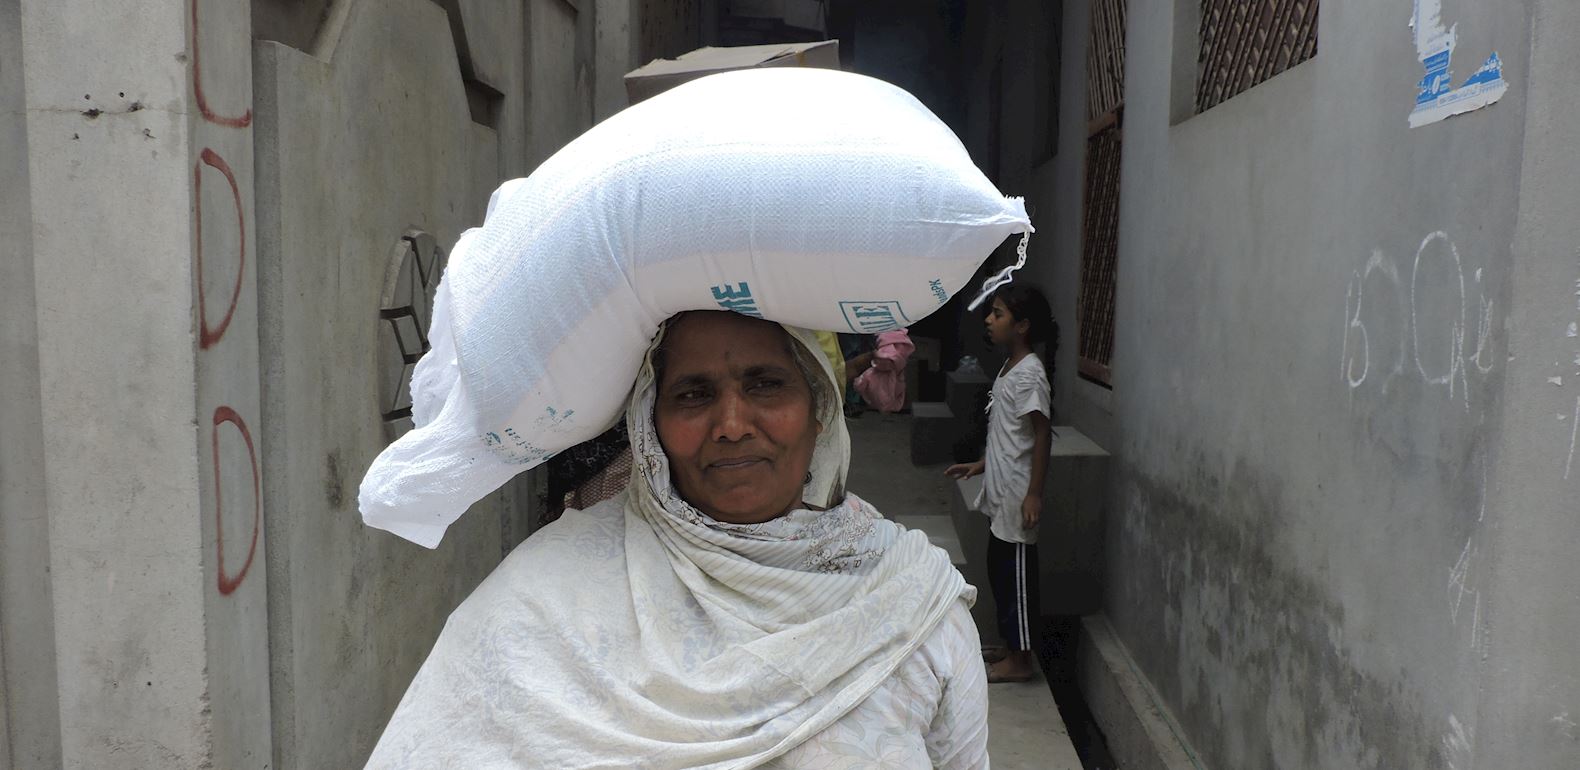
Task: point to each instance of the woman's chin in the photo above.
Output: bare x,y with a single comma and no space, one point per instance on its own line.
747,508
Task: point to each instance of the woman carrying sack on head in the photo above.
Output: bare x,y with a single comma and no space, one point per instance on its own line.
735,607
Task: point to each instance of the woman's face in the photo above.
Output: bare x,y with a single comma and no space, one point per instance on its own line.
734,415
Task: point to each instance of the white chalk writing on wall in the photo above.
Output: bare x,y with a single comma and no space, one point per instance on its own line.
1438,348
1574,432
1572,337
1455,372
1457,743
1434,323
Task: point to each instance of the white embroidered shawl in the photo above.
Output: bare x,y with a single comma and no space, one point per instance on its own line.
643,633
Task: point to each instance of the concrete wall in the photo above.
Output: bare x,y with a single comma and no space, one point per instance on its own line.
363,139
29,710
134,648
669,28
293,22
560,83
1530,671
616,48
358,142
202,238
1339,518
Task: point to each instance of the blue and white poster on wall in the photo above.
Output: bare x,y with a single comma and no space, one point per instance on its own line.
1438,97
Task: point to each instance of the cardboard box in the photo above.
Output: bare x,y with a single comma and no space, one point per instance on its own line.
660,75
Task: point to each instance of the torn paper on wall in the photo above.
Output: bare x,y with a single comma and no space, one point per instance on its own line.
1434,45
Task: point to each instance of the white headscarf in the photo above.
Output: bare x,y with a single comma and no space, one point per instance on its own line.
644,633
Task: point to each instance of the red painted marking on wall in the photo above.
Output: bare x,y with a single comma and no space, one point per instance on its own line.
242,121
207,336
227,582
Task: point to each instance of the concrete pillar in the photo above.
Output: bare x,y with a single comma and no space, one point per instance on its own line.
615,54
29,712
1518,566
146,459
560,83
139,186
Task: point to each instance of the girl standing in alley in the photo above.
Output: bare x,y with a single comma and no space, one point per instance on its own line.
1014,464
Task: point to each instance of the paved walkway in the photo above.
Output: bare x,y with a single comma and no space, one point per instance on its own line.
1024,728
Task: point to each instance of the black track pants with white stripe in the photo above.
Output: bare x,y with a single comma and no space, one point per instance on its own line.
1012,571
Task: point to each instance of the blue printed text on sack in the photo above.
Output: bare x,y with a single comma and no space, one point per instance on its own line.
738,298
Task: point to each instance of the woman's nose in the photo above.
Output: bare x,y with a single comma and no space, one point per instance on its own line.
734,418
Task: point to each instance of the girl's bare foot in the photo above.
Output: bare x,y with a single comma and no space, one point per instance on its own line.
1015,667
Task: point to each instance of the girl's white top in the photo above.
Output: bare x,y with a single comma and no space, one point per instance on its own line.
1007,476
642,633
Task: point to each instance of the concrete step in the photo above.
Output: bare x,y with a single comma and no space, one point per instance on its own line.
1025,731
934,431
1139,730
966,393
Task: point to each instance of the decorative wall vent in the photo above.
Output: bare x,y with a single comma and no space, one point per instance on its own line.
1245,42
411,276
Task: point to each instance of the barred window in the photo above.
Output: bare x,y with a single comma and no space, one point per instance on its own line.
1105,79
1245,42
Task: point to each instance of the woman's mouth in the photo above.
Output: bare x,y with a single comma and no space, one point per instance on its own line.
735,463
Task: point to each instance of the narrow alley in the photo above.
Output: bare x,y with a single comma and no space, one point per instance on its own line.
1025,729
368,402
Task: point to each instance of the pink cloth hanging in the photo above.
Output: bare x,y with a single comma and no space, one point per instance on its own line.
883,384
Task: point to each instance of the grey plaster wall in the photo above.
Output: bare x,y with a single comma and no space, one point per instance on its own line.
113,287
121,649
560,77
293,22
617,50
354,148
1339,517
29,708
360,139
669,28
1299,480
188,315
1530,674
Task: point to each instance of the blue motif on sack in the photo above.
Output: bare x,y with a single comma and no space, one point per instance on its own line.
738,299
872,317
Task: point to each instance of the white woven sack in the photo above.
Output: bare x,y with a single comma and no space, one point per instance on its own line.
811,197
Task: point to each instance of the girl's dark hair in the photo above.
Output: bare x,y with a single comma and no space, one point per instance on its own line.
1025,303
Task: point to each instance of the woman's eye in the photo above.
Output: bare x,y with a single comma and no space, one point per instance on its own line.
765,386
691,396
